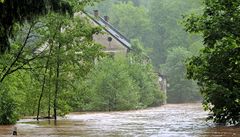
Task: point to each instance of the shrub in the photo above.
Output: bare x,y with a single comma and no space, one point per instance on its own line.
7,109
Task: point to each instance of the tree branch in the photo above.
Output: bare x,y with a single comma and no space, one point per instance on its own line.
4,74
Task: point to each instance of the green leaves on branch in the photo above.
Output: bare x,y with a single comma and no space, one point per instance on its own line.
76,57
7,108
217,67
116,84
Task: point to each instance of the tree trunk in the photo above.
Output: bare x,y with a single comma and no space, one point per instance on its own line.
49,93
7,69
55,105
43,84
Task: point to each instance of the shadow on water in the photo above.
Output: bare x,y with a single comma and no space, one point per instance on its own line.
176,120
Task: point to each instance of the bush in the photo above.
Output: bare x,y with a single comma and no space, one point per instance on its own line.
111,86
7,109
117,84
147,81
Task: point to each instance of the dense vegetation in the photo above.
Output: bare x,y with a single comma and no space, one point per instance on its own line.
217,67
157,24
38,80
36,74
118,84
122,83
50,69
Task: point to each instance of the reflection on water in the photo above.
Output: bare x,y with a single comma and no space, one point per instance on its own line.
181,120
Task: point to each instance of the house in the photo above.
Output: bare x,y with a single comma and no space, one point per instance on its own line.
113,41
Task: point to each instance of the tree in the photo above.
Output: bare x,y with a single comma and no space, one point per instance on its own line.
156,23
167,32
136,25
135,2
141,70
7,108
217,67
29,56
120,84
18,11
181,89
111,87
71,51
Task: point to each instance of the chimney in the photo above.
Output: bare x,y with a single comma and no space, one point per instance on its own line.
106,18
96,13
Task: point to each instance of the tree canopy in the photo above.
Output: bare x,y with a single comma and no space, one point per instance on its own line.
119,84
18,11
217,67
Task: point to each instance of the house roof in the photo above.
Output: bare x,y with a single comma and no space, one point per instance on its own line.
111,30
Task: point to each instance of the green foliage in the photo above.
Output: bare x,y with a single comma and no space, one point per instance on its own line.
147,81
18,11
112,87
135,25
7,108
116,84
156,24
23,69
72,55
180,89
138,53
217,67
167,32
22,87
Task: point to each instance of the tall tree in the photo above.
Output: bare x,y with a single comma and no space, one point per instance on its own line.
71,50
19,11
136,25
167,31
217,67
30,56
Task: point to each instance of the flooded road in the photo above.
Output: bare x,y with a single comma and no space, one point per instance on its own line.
182,120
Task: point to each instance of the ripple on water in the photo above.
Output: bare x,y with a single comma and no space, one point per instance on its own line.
177,120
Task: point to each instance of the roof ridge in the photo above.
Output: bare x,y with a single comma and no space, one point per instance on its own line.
111,30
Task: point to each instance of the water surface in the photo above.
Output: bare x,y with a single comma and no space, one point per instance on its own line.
176,120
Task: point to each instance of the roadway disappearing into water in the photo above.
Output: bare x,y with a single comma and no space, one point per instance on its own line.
172,120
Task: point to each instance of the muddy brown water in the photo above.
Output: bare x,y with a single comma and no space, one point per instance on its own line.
176,120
